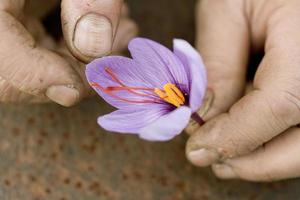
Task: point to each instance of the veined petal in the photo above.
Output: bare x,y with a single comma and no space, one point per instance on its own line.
127,72
167,126
192,61
130,120
160,62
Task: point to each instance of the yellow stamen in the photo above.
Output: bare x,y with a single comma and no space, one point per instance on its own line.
171,94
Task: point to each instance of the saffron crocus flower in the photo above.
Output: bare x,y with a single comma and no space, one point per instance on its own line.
155,93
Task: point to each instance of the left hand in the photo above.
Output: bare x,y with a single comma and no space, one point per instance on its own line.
35,68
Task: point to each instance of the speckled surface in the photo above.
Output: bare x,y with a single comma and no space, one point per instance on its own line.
49,152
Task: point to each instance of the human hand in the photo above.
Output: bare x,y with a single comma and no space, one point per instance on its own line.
35,68
257,139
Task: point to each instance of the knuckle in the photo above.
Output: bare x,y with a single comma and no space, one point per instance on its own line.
12,6
293,106
260,169
286,108
228,144
8,93
238,142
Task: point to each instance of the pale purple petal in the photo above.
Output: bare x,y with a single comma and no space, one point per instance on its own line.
167,126
129,73
160,62
192,60
131,120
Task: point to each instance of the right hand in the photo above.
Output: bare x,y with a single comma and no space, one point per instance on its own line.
253,136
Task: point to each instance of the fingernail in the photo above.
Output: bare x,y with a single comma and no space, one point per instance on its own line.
93,35
63,95
203,157
207,103
224,171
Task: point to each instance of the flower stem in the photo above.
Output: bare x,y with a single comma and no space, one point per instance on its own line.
196,117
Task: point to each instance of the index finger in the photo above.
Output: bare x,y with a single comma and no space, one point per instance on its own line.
223,41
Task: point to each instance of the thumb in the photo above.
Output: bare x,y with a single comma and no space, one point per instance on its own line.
89,26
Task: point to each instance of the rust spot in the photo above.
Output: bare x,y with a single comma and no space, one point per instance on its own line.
92,148
40,141
85,121
180,186
105,193
163,181
153,176
124,176
48,191
89,148
43,133
94,186
137,175
66,135
7,182
121,140
91,168
67,180
78,185
51,115
126,150
170,166
31,121
92,133
16,131
61,147
32,178
53,156
98,193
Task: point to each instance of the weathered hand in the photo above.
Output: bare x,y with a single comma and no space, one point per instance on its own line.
32,70
257,139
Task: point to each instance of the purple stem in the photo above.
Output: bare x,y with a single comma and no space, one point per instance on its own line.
198,119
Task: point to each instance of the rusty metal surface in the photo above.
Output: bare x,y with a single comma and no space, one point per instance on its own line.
49,152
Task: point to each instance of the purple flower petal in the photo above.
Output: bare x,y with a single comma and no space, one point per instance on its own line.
160,62
129,73
131,120
167,126
128,84
192,60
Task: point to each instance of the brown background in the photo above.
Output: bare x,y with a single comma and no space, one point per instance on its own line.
50,152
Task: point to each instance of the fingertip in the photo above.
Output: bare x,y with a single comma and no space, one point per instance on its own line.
65,95
202,157
93,35
224,171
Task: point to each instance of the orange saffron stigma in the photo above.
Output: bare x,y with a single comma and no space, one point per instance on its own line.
148,98
171,94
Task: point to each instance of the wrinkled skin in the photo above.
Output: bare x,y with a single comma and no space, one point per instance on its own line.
252,136
35,68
